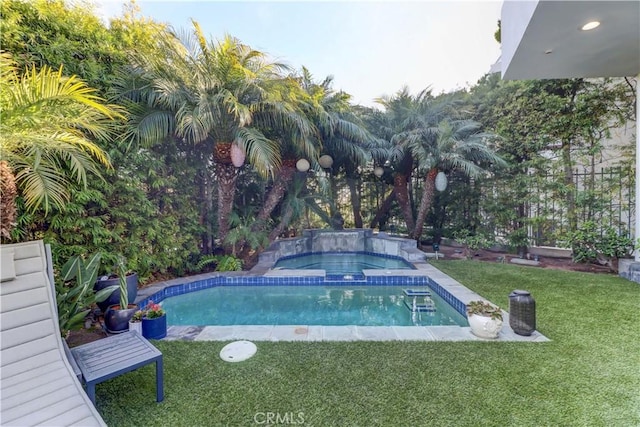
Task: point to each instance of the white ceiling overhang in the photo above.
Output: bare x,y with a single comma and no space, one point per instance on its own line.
543,39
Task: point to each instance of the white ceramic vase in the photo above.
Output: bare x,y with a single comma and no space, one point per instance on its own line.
484,326
136,326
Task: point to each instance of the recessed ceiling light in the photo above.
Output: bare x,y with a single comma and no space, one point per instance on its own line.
590,25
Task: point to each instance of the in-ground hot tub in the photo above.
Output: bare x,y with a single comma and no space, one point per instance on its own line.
342,263
362,241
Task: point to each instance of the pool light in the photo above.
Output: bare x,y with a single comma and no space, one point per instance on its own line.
590,25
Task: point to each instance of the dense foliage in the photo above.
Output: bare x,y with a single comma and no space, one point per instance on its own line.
49,125
54,32
173,197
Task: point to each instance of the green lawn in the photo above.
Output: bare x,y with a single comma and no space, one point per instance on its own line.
588,375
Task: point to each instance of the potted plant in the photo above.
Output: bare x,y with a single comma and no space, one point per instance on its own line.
484,318
135,323
116,318
154,322
114,280
75,295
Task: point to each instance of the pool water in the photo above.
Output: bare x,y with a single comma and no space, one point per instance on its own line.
307,305
342,262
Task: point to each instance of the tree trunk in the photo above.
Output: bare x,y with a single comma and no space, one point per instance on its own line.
313,205
337,221
285,219
8,194
402,194
384,208
227,175
355,201
275,196
204,183
569,185
428,193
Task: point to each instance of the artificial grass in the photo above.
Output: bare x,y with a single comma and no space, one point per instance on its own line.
588,375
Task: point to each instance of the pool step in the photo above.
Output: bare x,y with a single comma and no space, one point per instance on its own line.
420,308
417,293
345,278
411,301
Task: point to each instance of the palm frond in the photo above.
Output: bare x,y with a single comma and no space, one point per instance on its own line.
262,152
42,185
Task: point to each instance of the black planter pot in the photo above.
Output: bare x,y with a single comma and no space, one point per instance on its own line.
117,321
114,298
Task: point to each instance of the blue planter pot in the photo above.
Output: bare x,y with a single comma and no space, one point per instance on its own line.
154,328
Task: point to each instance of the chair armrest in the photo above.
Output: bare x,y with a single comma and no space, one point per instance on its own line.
72,361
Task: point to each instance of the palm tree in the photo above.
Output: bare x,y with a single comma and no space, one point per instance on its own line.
47,122
292,208
217,93
295,142
452,145
342,134
333,129
241,233
407,118
424,135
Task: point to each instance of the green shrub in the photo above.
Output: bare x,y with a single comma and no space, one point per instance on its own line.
472,242
591,243
223,262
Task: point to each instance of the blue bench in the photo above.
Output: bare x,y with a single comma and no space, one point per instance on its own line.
108,358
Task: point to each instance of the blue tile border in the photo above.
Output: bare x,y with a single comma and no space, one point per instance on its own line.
458,305
199,284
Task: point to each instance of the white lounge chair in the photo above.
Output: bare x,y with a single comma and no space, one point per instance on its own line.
37,384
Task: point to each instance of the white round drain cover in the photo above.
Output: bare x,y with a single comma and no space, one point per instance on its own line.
238,351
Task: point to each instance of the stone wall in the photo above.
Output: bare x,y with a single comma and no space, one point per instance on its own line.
351,240
629,269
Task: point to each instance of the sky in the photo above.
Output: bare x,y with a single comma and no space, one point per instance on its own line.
371,49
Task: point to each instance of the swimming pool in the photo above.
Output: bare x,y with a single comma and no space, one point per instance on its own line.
311,305
342,263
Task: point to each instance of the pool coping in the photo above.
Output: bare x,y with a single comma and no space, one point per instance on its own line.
311,333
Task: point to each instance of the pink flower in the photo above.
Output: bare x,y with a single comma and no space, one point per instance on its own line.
154,310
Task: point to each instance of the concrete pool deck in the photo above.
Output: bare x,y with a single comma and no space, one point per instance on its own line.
314,333
338,333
